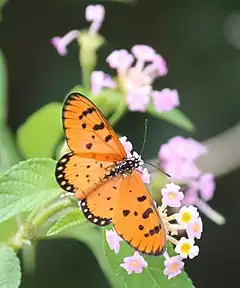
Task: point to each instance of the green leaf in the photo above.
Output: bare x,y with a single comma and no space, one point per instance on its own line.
40,134
9,155
175,117
8,229
10,273
28,185
90,235
3,88
152,276
73,218
8,152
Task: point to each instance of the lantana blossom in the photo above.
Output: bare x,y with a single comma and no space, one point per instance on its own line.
171,195
100,80
136,73
173,266
178,158
186,248
113,240
135,263
195,228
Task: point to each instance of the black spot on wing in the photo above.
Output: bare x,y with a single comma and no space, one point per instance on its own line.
141,198
89,146
146,213
108,138
140,227
84,125
98,126
126,213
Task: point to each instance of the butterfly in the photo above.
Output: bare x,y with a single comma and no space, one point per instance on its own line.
105,180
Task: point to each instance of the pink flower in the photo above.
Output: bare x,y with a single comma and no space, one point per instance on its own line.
127,145
194,229
138,99
100,80
113,240
135,263
165,100
95,14
157,68
179,169
136,80
178,157
184,148
61,43
171,195
190,195
144,174
173,266
207,186
120,60
143,52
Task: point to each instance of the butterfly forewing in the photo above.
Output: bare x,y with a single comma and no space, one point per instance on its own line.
136,218
88,133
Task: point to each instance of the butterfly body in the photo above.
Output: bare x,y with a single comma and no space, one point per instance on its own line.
124,167
105,180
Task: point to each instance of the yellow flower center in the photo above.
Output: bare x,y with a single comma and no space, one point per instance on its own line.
186,247
186,217
195,227
134,263
172,195
174,267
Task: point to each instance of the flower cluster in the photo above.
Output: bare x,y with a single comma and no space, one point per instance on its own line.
136,71
187,219
178,158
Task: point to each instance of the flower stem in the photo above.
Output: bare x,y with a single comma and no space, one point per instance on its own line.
210,213
116,116
50,211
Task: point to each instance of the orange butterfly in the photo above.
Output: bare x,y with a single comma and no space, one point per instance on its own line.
99,173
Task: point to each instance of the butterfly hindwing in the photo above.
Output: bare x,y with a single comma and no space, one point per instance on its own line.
80,175
88,133
99,206
136,218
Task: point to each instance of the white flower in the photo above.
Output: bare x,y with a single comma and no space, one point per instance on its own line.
187,215
186,248
171,195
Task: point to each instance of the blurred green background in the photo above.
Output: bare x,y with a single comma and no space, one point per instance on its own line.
203,65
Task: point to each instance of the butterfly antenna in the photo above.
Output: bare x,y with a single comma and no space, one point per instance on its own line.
145,136
158,169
